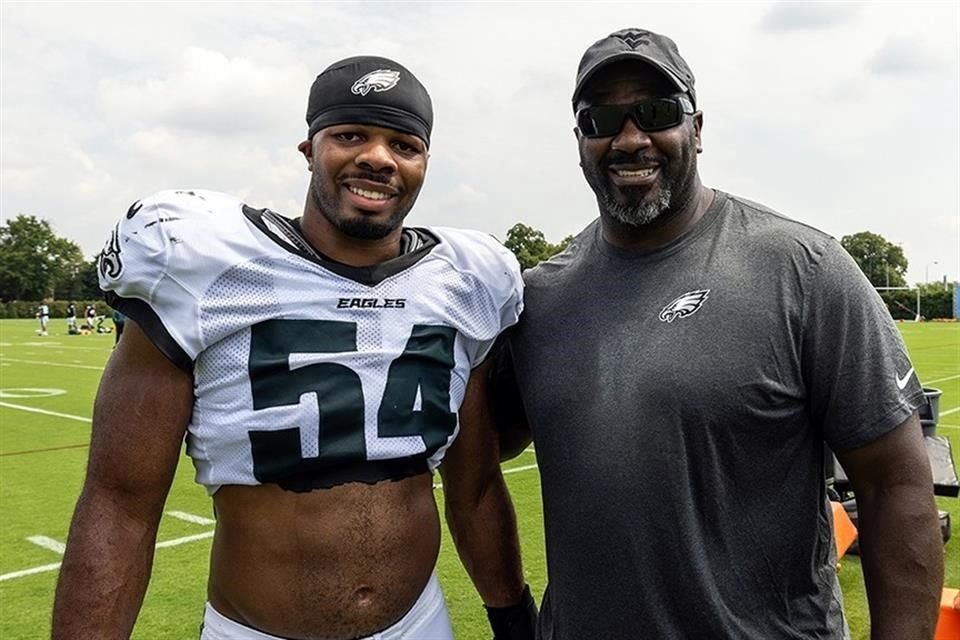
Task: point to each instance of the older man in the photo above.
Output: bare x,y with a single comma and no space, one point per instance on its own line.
681,365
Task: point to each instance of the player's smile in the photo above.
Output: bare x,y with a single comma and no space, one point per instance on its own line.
368,195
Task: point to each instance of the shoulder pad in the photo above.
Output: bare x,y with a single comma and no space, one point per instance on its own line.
160,256
492,264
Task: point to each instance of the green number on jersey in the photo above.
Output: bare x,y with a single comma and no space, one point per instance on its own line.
424,368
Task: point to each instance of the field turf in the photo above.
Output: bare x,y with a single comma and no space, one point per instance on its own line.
47,385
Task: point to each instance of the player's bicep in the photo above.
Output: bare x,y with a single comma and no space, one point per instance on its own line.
142,409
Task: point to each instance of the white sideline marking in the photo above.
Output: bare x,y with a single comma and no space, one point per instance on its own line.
950,411
189,517
30,392
48,543
52,364
173,543
439,485
523,468
43,411
29,572
941,379
53,567
184,540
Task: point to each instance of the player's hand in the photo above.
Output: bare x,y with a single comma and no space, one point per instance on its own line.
516,622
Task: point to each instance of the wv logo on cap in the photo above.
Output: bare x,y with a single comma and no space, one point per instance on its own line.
686,305
633,39
378,81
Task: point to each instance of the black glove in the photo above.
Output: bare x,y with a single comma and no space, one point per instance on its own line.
516,622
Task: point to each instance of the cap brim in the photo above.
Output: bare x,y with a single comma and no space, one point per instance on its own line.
627,55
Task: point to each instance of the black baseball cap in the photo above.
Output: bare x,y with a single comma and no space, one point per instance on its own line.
370,90
636,44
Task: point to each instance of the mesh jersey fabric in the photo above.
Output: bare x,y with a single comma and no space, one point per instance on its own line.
299,370
679,401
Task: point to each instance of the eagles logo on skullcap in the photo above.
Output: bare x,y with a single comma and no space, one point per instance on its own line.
378,81
686,305
109,263
370,90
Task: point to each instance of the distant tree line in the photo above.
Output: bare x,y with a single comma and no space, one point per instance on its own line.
37,265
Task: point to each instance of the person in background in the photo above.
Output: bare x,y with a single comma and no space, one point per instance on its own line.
90,317
43,317
72,319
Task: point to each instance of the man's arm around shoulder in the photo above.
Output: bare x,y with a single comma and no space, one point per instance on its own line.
142,409
900,543
481,517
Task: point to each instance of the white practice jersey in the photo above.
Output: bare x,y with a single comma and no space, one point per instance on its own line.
308,373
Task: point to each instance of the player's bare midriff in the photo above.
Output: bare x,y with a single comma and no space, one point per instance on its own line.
331,564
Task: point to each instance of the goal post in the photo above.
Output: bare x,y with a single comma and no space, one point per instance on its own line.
914,312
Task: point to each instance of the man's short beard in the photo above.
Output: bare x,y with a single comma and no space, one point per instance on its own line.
636,214
364,229
360,228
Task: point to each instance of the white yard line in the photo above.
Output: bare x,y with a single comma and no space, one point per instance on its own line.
48,543
43,411
941,379
169,543
53,567
52,364
50,345
189,517
439,485
29,572
176,542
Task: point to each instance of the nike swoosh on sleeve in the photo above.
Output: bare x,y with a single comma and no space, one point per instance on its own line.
902,382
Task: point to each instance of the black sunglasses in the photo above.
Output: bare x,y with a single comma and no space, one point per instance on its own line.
656,114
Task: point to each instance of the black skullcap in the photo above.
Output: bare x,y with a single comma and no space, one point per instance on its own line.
636,44
370,90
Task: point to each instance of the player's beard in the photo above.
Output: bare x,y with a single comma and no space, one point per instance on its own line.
361,227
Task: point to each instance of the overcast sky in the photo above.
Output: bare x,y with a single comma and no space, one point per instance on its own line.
845,116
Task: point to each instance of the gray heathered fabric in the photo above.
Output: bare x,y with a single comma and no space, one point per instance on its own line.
682,462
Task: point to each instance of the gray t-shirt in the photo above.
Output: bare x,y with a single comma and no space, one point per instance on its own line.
679,401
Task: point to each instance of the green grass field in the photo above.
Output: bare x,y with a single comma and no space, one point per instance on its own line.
47,387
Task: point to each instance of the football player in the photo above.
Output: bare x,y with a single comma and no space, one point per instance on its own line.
72,319
316,366
43,316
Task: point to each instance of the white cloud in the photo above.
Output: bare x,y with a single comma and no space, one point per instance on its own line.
790,15
102,103
902,56
206,93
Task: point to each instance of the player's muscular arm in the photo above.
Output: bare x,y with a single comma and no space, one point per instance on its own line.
900,544
479,511
141,412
